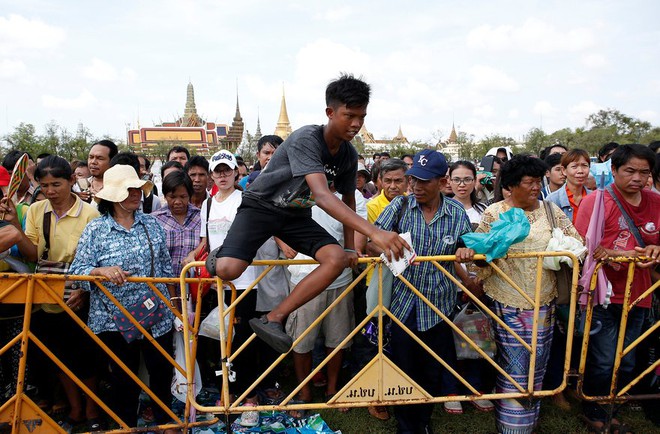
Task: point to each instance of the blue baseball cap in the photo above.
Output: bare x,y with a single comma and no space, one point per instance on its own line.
428,164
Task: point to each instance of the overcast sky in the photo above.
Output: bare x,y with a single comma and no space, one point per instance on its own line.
491,66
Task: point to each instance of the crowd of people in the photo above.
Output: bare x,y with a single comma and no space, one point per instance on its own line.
313,196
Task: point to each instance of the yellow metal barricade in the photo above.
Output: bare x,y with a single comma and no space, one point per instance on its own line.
619,392
20,413
381,382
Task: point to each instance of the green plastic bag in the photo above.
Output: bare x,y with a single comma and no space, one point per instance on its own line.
511,228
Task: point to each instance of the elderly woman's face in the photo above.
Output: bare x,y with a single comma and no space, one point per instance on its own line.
177,200
132,202
526,194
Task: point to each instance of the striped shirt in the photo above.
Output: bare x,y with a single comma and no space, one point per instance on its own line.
439,237
181,238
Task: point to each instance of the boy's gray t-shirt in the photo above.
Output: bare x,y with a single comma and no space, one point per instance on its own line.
283,184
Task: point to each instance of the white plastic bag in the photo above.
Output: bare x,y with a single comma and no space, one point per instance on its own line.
180,382
562,243
476,325
210,327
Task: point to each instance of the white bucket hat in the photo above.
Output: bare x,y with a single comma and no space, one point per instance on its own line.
116,182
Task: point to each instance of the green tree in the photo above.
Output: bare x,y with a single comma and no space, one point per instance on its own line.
627,127
493,141
466,146
535,141
24,138
248,148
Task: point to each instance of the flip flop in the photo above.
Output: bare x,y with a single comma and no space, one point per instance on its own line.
272,333
299,414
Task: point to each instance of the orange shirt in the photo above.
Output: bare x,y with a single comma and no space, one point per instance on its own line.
571,201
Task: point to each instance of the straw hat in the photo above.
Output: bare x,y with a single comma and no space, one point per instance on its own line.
116,182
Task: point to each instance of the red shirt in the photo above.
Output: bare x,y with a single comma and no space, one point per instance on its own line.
617,236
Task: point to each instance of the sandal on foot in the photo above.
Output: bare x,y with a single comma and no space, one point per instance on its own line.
298,413
96,424
67,424
210,262
272,333
249,418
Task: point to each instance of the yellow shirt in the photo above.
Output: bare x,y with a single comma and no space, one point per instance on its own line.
375,206
65,231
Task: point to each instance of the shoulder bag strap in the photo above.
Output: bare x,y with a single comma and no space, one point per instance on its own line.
550,214
399,214
629,220
208,214
46,231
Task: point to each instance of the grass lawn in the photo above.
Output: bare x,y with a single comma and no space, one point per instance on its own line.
553,421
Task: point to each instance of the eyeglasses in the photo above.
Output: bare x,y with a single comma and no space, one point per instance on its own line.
459,181
224,173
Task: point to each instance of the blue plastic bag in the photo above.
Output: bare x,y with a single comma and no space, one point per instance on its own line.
511,228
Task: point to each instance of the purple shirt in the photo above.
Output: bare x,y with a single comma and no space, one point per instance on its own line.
181,239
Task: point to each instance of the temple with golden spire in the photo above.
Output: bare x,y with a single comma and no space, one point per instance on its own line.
189,130
190,117
283,128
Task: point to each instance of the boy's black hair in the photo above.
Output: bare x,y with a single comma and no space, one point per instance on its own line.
552,160
273,139
347,90
606,149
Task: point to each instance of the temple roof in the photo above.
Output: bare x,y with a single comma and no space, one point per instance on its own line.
366,136
283,128
400,137
190,117
453,137
235,135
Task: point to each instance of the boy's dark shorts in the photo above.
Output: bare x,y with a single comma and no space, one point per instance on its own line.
256,221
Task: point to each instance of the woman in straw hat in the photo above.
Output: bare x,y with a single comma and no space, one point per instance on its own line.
124,242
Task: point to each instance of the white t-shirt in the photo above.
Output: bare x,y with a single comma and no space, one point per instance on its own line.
473,215
336,229
220,219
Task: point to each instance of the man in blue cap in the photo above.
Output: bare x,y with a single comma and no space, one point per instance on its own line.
436,224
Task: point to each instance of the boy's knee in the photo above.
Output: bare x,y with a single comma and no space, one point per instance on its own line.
337,260
228,269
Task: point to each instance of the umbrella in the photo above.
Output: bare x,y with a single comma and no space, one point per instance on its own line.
594,235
